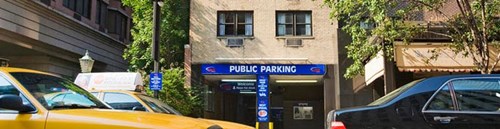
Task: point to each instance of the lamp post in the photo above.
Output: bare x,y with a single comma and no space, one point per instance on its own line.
86,63
156,37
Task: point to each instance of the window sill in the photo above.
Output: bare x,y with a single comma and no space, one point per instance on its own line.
295,37
230,37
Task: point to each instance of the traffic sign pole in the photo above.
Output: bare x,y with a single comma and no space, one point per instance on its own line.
156,38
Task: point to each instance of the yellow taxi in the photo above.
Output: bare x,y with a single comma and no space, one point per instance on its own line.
138,101
35,100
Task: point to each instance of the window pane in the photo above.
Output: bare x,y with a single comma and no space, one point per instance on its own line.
229,18
281,18
478,94
229,29
301,30
289,18
71,4
111,22
66,3
308,30
79,7
98,12
281,30
308,18
241,30
442,100
86,8
241,17
289,29
248,30
222,17
301,18
248,18
222,30
104,13
121,101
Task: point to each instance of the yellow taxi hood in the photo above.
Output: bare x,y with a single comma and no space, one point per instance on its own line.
120,119
228,125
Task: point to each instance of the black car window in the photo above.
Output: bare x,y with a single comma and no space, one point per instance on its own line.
121,101
442,100
478,94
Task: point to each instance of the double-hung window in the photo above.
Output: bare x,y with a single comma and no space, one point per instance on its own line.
235,23
81,7
293,23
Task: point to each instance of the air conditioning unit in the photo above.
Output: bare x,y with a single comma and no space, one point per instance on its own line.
293,42
234,42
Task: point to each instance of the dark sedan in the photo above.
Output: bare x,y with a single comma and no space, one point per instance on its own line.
446,102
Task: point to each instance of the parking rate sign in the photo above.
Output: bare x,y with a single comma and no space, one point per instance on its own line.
155,81
263,98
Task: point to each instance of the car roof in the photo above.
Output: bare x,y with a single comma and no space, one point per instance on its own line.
23,70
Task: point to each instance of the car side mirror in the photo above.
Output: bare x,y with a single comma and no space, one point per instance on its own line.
14,102
138,108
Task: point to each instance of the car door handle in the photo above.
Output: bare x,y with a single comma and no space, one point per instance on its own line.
444,120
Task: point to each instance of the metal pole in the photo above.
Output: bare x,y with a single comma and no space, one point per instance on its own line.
156,38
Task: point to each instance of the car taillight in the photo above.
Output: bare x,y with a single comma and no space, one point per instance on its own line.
337,125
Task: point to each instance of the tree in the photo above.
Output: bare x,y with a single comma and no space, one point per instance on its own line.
174,28
473,29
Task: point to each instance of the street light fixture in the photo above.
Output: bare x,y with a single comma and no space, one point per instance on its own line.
86,63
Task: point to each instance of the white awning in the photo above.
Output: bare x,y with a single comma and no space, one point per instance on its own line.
109,81
374,68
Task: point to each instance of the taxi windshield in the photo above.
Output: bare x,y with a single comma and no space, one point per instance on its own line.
158,106
393,94
56,93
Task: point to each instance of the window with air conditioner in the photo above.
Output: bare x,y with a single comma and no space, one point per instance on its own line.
235,23
293,23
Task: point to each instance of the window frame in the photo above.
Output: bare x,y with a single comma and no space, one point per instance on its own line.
454,98
294,23
235,23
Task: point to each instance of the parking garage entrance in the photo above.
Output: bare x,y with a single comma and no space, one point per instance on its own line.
264,95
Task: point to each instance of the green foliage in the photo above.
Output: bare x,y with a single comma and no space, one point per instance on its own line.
188,101
174,29
173,33
389,18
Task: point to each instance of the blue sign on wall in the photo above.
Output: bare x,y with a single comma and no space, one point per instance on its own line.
277,69
263,98
155,81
